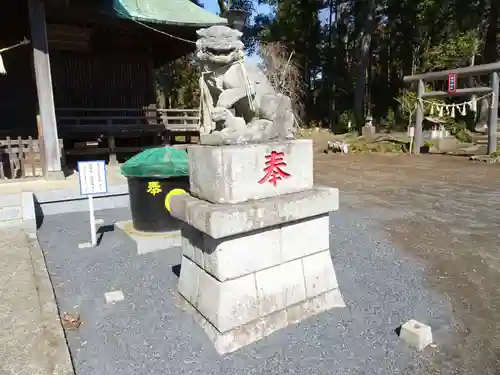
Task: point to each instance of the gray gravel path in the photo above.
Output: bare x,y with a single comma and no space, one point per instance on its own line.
148,333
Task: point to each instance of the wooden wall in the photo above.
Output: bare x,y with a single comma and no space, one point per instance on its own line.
98,63
84,80
18,98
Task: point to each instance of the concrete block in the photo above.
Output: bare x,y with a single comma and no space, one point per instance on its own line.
232,340
416,334
82,205
316,305
149,242
228,304
235,174
28,211
114,296
241,336
187,248
192,245
368,130
61,195
189,280
240,255
446,144
222,220
319,274
280,286
9,213
305,237
10,200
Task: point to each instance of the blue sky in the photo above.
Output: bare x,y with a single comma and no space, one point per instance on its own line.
212,6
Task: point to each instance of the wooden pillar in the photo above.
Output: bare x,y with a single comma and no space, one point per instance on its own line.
419,119
52,154
493,115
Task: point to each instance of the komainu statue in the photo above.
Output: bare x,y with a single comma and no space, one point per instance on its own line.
239,105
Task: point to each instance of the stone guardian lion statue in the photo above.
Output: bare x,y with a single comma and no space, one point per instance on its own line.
238,103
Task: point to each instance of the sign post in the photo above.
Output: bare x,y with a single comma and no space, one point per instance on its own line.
411,135
93,181
452,83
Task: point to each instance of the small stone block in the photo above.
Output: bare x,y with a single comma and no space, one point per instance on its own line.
85,245
235,174
416,334
114,296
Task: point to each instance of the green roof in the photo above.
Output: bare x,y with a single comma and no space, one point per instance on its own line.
169,12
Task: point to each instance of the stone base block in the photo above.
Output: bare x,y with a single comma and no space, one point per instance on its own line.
239,311
234,174
230,341
224,220
235,256
368,131
149,242
252,268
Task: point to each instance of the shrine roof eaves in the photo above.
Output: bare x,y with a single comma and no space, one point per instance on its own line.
168,12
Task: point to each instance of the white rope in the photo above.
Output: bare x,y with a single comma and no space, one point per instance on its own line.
456,104
152,28
450,108
2,66
248,84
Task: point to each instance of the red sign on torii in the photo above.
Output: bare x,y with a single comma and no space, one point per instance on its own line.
452,83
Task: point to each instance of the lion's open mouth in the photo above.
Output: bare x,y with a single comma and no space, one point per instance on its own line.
218,51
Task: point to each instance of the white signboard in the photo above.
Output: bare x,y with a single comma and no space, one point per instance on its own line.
92,177
411,131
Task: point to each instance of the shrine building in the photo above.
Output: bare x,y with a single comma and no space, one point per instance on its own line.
84,80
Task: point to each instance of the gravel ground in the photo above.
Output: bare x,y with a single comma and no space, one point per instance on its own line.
148,333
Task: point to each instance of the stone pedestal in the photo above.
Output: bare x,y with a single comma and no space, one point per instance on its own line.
368,130
232,174
257,265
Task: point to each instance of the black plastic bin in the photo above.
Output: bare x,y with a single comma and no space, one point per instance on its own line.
151,175
148,205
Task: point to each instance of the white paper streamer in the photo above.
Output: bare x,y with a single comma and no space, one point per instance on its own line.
441,110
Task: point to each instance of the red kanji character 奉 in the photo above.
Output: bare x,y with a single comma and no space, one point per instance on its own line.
274,162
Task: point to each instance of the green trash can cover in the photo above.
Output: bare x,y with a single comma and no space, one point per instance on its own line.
161,162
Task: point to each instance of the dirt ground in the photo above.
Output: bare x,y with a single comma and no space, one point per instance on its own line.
453,223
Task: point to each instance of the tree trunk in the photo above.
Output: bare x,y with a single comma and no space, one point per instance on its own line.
363,62
491,39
